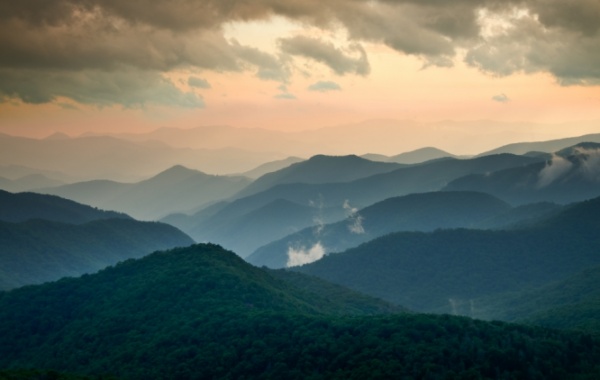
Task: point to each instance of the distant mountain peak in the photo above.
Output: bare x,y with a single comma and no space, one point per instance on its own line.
58,136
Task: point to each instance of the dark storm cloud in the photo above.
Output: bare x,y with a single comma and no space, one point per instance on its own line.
77,38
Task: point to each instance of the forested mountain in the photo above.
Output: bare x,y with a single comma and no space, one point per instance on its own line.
330,202
24,206
573,303
231,320
571,175
415,212
445,270
173,190
38,250
319,169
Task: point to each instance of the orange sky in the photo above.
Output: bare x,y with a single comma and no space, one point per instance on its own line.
272,87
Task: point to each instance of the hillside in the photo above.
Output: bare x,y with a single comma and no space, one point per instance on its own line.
419,155
571,175
445,270
319,169
329,202
173,190
37,251
201,312
573,303
24,206
270,167
415,212
543,146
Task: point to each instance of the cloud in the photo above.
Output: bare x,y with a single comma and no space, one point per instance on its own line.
324,86
554,169
500,98
302,255
129,88
355,220
79,40
349,60
198,82
285,96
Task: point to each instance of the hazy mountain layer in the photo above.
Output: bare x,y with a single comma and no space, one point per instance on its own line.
543,146
24,206
319,169
445,270
416,212
176,189
38,250
102,157
201,312
571,175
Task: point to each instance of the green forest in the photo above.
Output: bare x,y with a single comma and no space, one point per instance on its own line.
203,313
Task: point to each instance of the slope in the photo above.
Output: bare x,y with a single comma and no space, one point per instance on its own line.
173,190
319,169
24,206
201,312
543,146
444,270
571,175
415,212
420,155
573,303
328,200
38,250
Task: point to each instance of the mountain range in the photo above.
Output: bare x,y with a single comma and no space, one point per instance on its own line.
44,238
173,190
201,312
570,175
415,212
448,270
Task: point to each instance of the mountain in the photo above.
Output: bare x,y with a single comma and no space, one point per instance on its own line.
420,155
571,175
329,202
103,157
415,212
543,146
445,270
25,206
319,169
38,250
270,167
258,227
573,303
28,182
201,312
173,190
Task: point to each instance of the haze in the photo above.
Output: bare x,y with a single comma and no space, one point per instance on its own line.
484,73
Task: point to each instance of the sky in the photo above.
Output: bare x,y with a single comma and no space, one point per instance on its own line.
132,66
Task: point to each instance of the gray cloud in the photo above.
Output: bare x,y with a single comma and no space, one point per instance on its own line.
341,61
75,38
198,82
500,98
128,88
324,86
